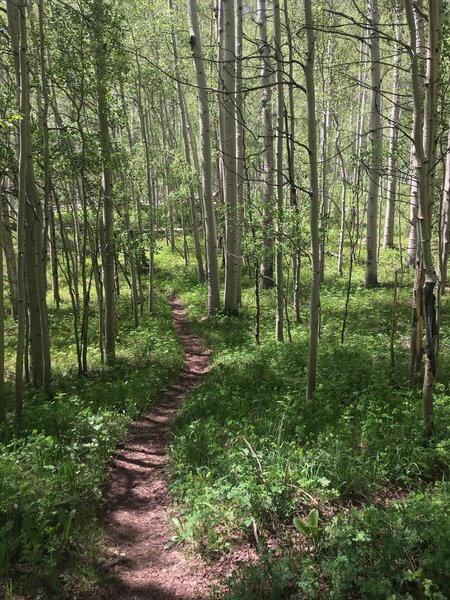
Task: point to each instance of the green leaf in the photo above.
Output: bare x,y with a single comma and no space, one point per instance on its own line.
313,518
301,526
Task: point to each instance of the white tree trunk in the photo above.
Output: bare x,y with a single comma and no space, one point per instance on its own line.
314,202
279,311
206,166
423,137
388,239
187,156
413,248
240,158
228,105
375,146
107,238
266,269
18,33
445,222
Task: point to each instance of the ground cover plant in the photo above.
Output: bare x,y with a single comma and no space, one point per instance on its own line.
249,453
53,464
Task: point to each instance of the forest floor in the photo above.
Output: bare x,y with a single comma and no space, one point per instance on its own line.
142,561
214,492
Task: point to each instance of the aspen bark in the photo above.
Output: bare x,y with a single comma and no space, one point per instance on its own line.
170,226
375,146
206,166
228,106
149,186
314,202
325,146
187,156
344,179
266,269
107,238
413,242
359,137
34,249
279,310
444,246
290,149
2,320
388,239
423,137
18,33
240,158
10,258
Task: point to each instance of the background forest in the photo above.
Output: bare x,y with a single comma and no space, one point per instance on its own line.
284,169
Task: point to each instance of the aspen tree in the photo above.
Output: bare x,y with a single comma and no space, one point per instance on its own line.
107,237
240,158
444,246
344,180
279,174
326,144
206,166
187,155
34,247
170,225
290,149
361,121
228,105
413,248
42,212
423,137
18,33
149,187
388,239
266,269
2,319
375,144
308,67
10,258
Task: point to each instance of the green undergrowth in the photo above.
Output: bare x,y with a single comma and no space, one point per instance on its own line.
399,552
53,465
249,453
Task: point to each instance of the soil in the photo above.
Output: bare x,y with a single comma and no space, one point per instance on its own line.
142,561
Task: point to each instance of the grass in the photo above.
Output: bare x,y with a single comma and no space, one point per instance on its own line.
250,453
53,465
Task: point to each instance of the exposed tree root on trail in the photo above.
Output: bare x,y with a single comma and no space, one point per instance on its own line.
142,565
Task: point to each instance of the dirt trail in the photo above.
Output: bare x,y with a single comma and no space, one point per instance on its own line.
141,565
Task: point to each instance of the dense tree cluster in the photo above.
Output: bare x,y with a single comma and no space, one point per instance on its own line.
294,155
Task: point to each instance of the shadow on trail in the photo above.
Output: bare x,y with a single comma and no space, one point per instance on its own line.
142,564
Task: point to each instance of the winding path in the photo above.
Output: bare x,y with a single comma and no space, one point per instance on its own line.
142,565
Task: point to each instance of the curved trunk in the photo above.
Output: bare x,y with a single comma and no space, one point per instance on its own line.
424,142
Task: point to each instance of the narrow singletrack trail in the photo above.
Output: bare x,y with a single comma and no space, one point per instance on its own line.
143,565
